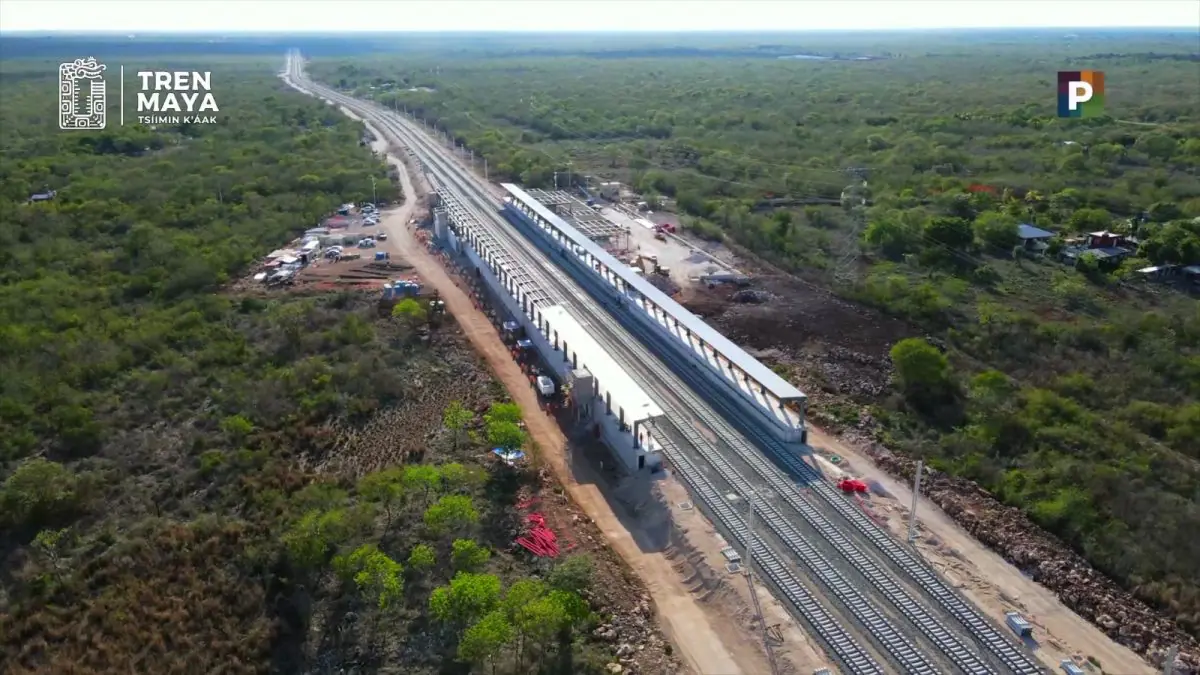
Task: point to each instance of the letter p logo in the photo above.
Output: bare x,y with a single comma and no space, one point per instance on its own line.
1080,93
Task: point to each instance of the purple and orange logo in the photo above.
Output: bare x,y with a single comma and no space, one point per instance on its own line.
1080,93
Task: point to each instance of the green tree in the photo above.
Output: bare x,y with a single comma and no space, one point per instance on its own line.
503,412
39,491
922,372
1158,146
1176,242
468,556
1090,220
311,538
456,418
452,513
990,389
573,574
892,236
485,640
410,313
50,545
423,477
996,230
422,558
455,476
237,426
466,599
377,576
505,435
548,617
1184,433
385,488
954,233
522,593
519,596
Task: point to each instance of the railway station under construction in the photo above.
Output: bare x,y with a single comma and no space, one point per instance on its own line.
765,394
601,392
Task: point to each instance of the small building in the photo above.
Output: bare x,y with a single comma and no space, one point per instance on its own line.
1033,238
610,191
1192,274
1108,255
43,196
1104,239
1159,272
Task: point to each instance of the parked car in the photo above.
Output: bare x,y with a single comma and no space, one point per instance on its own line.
382,236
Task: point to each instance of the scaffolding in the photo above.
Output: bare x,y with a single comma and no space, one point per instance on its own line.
489,249
589,223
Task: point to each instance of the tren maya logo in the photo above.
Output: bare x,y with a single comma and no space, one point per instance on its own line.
162,96
1080,93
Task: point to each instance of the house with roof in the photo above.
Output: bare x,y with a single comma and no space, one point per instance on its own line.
43,196
1033,238
1109,249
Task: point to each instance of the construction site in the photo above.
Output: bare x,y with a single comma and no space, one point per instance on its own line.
595,300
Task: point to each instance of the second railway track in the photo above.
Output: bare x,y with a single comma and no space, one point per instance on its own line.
832,558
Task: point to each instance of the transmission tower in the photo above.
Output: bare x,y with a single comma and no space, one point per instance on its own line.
854,200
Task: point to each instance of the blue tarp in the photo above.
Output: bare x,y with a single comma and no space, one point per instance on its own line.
509,456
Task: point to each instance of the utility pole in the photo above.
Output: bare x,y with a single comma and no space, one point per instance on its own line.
751,539
912,512
750,536
485,169
374,197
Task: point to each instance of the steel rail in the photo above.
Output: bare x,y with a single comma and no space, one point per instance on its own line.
842,645
901,650
850,597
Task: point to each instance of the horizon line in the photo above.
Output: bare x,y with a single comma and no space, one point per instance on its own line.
712,31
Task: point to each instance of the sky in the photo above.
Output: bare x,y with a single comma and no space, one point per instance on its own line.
290,16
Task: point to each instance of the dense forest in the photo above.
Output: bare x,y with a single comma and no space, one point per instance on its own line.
162,506
1072,392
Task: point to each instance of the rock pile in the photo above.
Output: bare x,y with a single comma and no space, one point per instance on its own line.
1051,563
639,646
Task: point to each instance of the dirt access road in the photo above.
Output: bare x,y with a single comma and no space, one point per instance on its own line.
986,578
685,622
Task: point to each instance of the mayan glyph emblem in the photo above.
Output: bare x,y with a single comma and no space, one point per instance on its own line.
81,95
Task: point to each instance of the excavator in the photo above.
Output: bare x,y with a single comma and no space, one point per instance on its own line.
639,264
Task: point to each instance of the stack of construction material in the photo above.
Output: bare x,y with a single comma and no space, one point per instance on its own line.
540,540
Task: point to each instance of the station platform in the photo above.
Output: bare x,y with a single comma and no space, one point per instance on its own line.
772,399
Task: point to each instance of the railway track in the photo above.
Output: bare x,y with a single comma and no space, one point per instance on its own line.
826,627
818,560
